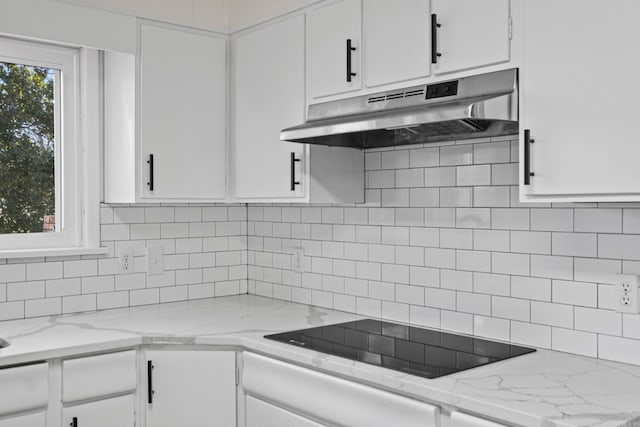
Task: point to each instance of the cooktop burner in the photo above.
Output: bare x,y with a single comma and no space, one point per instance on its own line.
418,351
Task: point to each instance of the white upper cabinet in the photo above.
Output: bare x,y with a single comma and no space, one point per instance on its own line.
335,48
269,96
165,118
579,100
470,34
182,113
396,41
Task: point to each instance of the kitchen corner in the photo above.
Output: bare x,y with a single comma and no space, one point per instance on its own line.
544,388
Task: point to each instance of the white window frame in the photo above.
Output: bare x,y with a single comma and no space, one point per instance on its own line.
77,150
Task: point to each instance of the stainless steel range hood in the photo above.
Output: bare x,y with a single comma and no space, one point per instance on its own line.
477,106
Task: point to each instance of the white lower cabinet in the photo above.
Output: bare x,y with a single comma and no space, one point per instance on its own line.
116,411
262,414
23,388
31,420
458,419
191,388
331,400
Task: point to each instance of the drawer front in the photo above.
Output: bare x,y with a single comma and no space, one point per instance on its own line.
334,400
114,412
96,376
24,388
31,420
458,419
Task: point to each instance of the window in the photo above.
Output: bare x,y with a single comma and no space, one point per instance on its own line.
47,147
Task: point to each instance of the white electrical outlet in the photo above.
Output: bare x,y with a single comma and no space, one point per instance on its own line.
298,260
626,293
155,260
125,260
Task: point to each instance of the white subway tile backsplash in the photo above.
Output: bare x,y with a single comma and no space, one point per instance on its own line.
598,220
467,302
473,175
424,316
619,246
456,155
424,197
508,263
455,197
532,242
531,288
381,179
511,308
440,217
473,261
424,157
457,322
623,350
510,219
442,258
491,240
492,152
440,298
440,177
43,307
456,238
505,174
395,236
409,178
600,321
456,280
545,313
409,217
571,341
491,196
490,327
473,218
395,159
552,219
24,291
575,293
13,272
575,244
531,334
553,267
493,284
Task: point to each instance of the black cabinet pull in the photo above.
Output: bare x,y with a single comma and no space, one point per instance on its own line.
434,38
150,163
527,157
150,381
349,50
293,171
74,422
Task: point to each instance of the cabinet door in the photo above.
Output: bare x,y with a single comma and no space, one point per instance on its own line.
32,420
330,26
269,96
192,388
262,414
579,99
472,33
118,411
458,419
396,40
182,113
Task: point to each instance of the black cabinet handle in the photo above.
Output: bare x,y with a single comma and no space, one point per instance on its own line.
349,50
293,171
74,422
527,157
434,38
150,163
150,381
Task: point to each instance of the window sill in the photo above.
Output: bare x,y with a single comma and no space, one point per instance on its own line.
53,252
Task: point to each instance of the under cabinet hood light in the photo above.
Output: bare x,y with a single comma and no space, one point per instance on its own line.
479,106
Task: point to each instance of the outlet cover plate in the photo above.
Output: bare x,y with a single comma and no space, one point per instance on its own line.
126,259
626,293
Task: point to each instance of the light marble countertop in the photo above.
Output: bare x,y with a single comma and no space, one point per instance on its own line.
545,388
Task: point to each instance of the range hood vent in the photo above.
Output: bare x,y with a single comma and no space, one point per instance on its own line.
477,106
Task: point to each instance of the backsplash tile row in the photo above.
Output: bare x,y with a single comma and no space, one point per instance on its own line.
443,241
205,255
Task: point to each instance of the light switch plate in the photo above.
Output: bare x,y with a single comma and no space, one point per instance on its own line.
298,260
155,260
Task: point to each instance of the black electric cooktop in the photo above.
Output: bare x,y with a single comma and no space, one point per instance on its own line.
418,351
